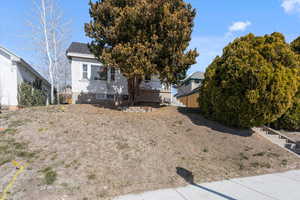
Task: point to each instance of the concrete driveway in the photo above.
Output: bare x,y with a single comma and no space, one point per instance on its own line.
279,186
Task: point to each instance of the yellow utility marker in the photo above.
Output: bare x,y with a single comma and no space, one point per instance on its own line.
12,181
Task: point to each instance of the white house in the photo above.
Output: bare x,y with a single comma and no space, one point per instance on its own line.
190,84
94,83
13,71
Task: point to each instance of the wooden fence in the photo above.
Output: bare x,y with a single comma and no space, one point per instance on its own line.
190,101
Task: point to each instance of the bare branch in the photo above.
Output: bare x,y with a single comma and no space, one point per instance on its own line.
49,35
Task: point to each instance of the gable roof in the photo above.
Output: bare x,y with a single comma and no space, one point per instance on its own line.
196,75
14,58
77,47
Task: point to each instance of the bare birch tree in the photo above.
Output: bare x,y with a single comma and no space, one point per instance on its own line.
49,34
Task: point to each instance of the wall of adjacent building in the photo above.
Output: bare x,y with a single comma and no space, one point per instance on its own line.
187,88
8,82
14,71
25,75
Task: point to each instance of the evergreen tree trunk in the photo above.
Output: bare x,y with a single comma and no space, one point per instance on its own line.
134,89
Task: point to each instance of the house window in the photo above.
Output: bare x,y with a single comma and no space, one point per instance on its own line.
84,71
112,74
37,83
198,81
100,96
98,73
110,96
148,78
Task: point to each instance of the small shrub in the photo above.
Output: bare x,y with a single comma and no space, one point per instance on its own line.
92,177
25,154
49,175
265,165
42,129
19,146
284,162
259,154
248,148
241,166
243,156
273,155
74,164
205,150
9,131
30,96
254,164
262,165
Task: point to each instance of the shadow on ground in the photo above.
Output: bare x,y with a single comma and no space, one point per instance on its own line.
189,178
195,116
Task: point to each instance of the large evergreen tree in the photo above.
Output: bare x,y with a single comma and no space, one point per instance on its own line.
296,45
291,119
143,37
252,83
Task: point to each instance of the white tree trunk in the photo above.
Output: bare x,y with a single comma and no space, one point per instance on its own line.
46,33
50,35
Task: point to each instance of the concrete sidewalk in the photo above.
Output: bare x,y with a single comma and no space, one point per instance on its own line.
280,186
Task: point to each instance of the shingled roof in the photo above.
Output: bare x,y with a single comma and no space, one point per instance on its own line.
194,76
197,75
77,47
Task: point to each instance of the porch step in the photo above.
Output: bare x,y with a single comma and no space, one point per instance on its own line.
278,139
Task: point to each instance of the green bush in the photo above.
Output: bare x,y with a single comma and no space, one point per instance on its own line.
29,96
291,119
252,83
296,45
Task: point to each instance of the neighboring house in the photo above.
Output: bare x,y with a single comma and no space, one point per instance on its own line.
94,83
188,90
13,71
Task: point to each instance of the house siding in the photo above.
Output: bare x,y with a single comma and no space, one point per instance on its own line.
24,75
8,82
14,71
86,91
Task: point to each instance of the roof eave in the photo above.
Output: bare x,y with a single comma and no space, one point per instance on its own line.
32,70
80,55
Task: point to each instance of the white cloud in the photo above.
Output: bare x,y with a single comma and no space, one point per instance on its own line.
291,6
239,26
211,46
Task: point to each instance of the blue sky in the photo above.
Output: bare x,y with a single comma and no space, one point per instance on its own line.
217,23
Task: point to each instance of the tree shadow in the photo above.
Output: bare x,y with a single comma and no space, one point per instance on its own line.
195,116
189,178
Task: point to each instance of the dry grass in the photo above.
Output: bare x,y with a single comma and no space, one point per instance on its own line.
96,153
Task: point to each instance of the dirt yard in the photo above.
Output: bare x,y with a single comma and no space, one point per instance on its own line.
85,152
